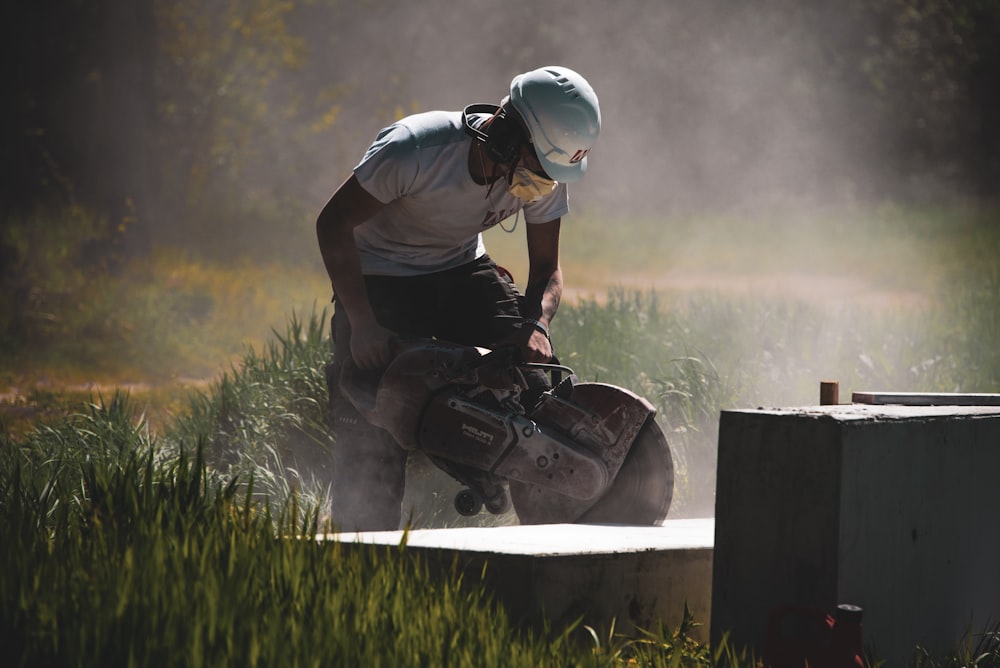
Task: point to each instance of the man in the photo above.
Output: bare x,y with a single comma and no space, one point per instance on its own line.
402,242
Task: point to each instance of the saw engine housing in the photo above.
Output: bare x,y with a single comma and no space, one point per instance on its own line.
561,456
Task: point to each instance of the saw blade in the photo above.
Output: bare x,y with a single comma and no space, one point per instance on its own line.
639,494
642,490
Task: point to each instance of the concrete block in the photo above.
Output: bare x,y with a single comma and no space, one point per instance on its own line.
892,508
640,577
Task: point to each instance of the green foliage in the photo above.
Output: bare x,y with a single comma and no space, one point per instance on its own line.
233,119
76,307
667,648
51,258
230,91
705,352
123,547
693,352
975,650
117,553
269,417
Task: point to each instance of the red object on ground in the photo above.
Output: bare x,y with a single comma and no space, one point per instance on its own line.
796,635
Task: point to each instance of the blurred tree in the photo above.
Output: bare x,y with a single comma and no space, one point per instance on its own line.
218,70
181,119
920,84
148,113
241,104
984,84
78,78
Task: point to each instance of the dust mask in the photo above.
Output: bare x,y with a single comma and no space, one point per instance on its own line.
528,186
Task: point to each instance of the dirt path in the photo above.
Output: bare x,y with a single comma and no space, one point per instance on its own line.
833,291
29,403
26,400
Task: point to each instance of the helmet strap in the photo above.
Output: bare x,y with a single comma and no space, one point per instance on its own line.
493,180
502,136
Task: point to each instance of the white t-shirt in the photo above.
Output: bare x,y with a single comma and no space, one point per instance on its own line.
435,213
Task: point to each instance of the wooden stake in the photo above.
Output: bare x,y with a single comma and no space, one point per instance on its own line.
829,393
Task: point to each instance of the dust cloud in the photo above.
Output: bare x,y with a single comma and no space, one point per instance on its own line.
710,108
706,105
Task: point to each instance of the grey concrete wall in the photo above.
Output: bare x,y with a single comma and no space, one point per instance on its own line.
888,507
632,577
634,590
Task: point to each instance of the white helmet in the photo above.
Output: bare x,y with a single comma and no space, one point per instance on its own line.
561,112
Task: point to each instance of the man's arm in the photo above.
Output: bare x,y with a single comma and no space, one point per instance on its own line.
544,288
350,206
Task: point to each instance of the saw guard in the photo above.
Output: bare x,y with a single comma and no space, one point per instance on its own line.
619,426
604,418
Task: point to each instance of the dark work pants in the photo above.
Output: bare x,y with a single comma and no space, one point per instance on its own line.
471,305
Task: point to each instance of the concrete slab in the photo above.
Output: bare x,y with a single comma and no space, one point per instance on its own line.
543,540
926,398
640,577
889,507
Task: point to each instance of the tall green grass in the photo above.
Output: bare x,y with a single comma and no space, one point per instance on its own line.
119,553
692,355
697,354
268,416
120,549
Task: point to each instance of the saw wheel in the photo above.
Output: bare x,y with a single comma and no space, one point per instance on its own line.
640,493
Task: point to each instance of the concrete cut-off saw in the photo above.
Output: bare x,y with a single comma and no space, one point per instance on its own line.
582,452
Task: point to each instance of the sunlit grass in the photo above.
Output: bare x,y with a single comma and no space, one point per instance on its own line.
167,317
696,355
886,300
122,546
267,416
160,404
743,312
119,550
889,252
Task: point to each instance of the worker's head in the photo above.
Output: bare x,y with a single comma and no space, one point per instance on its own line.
559,111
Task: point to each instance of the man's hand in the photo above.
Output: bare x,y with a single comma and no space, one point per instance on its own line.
370,345
538,348
532,343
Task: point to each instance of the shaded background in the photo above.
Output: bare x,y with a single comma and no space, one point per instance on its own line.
224,126
164,163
